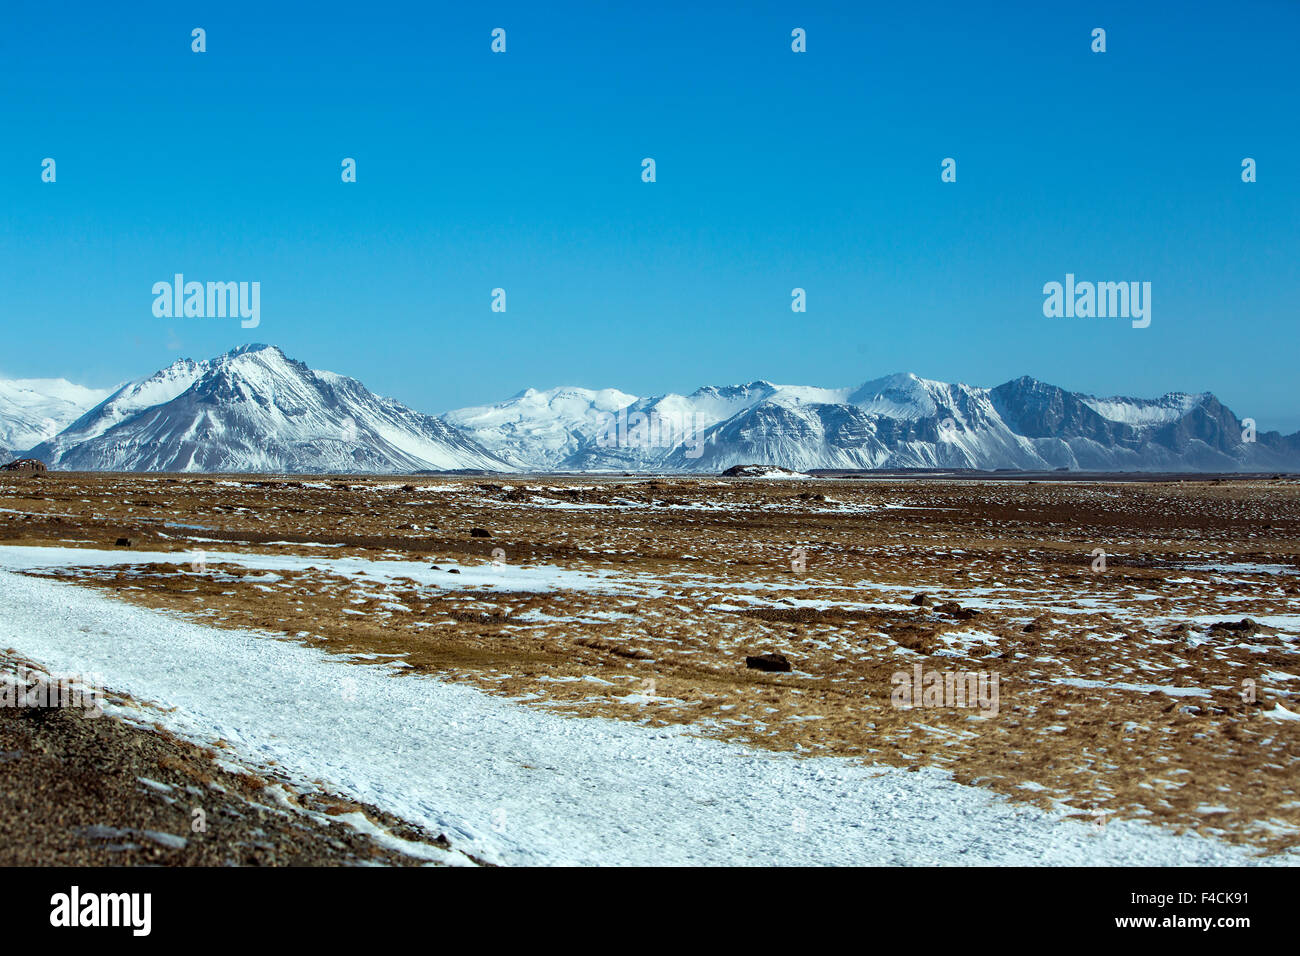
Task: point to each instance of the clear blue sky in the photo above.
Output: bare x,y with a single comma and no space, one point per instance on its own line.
775,170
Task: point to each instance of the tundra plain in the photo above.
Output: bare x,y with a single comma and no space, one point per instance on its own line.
1145,635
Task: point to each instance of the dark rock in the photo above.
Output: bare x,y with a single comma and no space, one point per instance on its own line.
756,471
953,609
453,570
1245,627
28,465
124,542
768,662
480,533
921,600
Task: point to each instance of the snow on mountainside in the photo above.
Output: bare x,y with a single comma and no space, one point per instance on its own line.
1141,411
539,429
899,421
34,409
254,409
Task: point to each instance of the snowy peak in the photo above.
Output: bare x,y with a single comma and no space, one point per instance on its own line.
540,429
1038,410
902,395
255,409
731,393
248,349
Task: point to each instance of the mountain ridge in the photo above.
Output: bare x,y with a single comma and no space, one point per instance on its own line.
903,420
255,409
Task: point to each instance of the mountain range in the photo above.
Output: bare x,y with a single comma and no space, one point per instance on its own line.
899,421
256,410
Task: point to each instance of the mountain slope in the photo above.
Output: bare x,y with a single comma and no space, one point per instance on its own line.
537,429
254,409
34,409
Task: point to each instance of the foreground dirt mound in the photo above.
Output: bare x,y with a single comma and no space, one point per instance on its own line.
82,790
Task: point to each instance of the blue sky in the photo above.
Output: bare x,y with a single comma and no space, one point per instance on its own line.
775,170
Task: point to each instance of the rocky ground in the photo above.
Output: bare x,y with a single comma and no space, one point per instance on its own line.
81,787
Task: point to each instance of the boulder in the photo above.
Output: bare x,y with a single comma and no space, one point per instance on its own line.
768,662
1244,628
28,465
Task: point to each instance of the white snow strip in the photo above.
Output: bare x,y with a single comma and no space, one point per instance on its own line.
534,578
1137,688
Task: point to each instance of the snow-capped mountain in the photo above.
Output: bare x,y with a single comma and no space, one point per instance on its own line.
34,409
254,409
539,430
899,421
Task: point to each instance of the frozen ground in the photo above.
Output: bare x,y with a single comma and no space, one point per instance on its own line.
542,578
518,785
